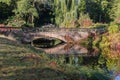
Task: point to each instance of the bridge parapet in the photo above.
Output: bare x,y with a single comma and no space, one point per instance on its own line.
70,30
53,29
65,34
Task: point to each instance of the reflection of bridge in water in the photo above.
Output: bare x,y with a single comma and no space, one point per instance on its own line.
70,49
65,34
67,53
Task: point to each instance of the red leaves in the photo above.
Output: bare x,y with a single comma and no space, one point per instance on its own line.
118,47
85,23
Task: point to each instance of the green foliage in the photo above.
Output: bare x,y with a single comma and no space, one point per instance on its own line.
65,10
61,12
69,23
15,21
100,25
6,7
82,7
6,1
113,29
105,42
115,12
98,10
26,10
24,7
109,55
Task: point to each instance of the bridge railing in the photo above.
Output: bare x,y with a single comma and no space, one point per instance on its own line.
53,29
70,29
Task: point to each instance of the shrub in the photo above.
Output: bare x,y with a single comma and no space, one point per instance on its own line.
69,23
100,25
113,28
15,21
85,21
117,20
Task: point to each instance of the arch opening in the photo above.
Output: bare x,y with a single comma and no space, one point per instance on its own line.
46,42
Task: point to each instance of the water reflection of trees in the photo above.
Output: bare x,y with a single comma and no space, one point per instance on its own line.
71,49
96,55
75,53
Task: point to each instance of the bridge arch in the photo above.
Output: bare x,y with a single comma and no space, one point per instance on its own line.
51,35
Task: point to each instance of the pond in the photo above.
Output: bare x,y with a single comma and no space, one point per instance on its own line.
86,53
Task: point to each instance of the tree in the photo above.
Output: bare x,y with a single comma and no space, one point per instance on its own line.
26,10
82,7
98,10
29,10
6,1
65,10
6,8
45,12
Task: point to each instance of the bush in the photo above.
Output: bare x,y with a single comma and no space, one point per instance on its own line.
70,23
117,21
15,21
85,21
113,28
100,25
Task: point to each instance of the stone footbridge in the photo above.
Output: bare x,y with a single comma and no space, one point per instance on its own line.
65,34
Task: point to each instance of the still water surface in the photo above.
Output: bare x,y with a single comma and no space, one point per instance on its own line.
81,55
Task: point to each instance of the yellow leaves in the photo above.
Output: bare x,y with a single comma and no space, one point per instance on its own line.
69,23
109,44
113,29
